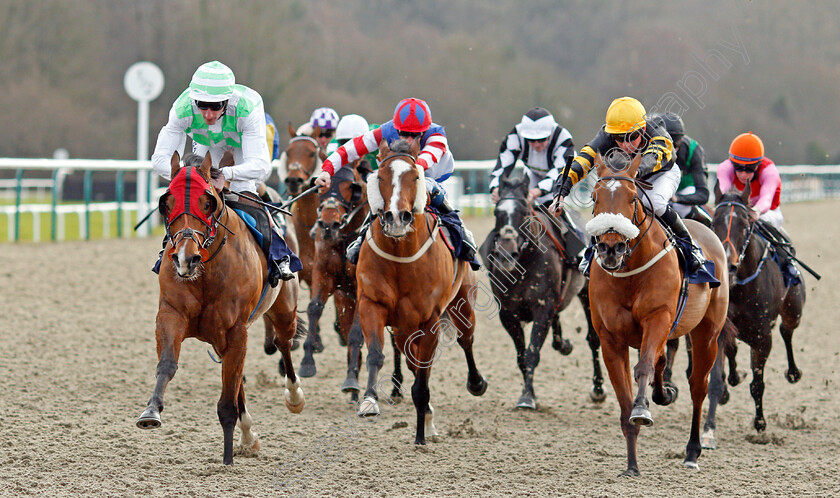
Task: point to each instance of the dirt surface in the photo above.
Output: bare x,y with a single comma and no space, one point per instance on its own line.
78,360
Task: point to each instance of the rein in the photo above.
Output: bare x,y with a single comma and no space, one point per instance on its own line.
743,250
644,186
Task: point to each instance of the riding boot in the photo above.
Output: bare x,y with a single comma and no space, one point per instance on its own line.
280,269
695,258
352,252
156,268
470,247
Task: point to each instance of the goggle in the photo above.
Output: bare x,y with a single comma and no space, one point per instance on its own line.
628,137
409,134
745,168
536,140
213,106
326,133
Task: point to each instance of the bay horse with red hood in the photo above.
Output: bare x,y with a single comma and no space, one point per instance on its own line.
408,278
213,285
634,291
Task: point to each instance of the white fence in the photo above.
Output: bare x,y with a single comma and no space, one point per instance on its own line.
23,179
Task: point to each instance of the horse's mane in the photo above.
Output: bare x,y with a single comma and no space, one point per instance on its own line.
195,160
512,182
401,146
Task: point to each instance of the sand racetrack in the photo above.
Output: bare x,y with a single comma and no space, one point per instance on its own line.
78,363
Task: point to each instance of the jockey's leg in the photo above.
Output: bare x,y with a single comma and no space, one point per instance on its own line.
664,186
156,268
352,252
783,246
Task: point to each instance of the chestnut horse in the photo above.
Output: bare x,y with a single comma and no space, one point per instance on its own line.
758,297
634,286
212,287
407,278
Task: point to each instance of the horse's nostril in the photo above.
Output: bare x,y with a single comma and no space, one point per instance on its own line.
389,217
175,258
195,260
405,216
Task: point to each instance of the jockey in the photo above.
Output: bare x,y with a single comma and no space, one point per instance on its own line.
412,121
627,132
542,145
693,190
748,164
327,119
221,116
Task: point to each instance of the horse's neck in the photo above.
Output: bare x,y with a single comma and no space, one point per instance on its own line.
649,242
753,252
305,210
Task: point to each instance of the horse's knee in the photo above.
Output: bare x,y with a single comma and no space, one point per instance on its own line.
167,368
316,308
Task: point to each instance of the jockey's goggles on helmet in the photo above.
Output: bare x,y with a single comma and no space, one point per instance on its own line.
410,134
212,106
536,140
629,136
746,168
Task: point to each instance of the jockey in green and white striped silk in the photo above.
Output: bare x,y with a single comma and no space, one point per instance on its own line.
218,115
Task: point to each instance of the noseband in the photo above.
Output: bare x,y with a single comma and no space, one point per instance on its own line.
509,230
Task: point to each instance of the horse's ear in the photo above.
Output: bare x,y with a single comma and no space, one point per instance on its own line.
718,193
414,150
745,195
206,164
291,130
634,166
175,163
227,159
383,150
599,166
316,132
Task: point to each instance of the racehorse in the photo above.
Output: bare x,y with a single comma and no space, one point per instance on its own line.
758,296
341,212
533,283
212,287
634,286
408,278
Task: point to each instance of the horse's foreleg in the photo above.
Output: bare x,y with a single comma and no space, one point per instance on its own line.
312,344
791,314
662,394
564,346
617,359
758,358
597,393
704,346
462,315
397,376
354,360
539,331
655,328
513,326
169,334
372,319
233,361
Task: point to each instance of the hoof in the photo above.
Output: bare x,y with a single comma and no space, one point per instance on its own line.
526,401
396,395
270,348
760,424
294,408
691,465
735,378
629,473
707,440
149,419
641,416
350,385
307,369
793,376
369,407
565,346
597,394
477,389
724,398
295,344
669,395
245,450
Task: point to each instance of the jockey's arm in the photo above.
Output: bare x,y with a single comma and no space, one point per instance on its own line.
172,138
255,164
347,153
657,155
725,175
770,181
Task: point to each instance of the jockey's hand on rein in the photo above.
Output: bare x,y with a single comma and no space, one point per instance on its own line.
557,206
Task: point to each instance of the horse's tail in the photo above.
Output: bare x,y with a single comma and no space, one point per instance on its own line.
301,329
728,335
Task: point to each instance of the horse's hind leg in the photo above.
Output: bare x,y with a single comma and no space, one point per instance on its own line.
312,344
355,339
397,376
704,346
462,315
717,387
233,361
372,318
513,326
671,351
249,442
597,393
791,314
758,359
539,331
662,394
169,335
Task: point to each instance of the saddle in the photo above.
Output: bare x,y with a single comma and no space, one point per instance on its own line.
450,229
255,217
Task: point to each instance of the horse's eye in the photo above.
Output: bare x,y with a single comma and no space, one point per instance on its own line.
312,154
207,206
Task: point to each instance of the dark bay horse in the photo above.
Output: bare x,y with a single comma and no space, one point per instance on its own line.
212,287
408,278
533,283
758,297
634,286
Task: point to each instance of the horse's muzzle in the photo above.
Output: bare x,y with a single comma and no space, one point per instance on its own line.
396,227
611,255
331,231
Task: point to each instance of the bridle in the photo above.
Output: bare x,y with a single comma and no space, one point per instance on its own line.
742,252
296,166
509,231
333,199
641,186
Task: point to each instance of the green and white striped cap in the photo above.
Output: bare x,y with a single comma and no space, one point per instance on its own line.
212,82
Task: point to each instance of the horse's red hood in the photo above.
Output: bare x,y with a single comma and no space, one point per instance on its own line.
187,188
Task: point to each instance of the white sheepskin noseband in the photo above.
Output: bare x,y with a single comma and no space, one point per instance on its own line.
398,166
612,222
